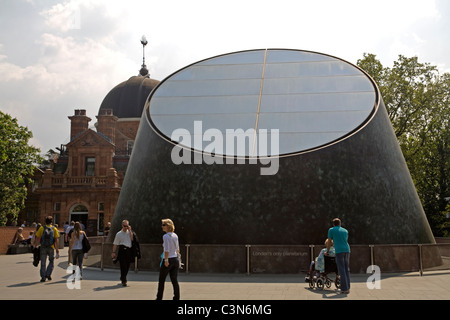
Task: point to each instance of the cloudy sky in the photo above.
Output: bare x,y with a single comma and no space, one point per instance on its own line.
57,56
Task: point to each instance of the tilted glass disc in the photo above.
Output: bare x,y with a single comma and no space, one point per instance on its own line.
299,100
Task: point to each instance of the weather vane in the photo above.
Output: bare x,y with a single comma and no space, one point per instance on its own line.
143,70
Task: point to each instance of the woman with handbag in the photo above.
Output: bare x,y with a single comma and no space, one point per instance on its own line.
76,243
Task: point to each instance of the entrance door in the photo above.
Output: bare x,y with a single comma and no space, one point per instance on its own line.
79,213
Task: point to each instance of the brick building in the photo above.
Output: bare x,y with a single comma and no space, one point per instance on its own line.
85,180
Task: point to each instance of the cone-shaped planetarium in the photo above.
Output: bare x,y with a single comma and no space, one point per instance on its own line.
267,147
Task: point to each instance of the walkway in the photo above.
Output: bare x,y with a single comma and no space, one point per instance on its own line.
19,279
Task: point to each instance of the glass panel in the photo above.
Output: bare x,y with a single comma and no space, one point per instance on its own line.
241,71
80,208
167,124
317,85
318,102
314,69
256,56
274,56
201,105
209,88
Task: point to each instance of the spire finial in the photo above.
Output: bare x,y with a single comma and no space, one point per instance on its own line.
144,70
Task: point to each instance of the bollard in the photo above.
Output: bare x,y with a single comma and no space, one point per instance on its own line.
187,258
248,258
372,262
420,260
312,252
101,254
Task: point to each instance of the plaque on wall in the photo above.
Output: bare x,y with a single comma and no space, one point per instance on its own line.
91,228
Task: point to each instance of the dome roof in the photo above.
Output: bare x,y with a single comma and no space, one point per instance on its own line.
127,99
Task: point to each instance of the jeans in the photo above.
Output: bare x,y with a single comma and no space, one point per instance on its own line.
46,271
343,265
77,258
172,270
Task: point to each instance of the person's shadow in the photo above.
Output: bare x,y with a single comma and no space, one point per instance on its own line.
113,287
23,284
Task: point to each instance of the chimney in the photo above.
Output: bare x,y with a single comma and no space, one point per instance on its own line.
106,124
79,123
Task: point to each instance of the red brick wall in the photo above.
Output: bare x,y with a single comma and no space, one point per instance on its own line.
7,235
442,240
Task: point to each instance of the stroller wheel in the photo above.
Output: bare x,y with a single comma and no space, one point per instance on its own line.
320,283
337,283
328,283
311,284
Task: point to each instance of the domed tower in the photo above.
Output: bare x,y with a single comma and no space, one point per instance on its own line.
121,110
85,183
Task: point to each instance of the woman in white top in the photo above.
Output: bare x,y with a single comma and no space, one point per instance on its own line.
76,243
171,263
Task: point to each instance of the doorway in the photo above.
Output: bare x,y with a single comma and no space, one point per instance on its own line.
79,213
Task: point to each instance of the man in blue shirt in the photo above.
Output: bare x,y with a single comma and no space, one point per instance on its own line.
339,236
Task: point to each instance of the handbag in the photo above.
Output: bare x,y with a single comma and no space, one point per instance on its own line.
86,244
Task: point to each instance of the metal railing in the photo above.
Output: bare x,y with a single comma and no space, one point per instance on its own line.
281,259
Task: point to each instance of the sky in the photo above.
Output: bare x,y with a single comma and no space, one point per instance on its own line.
58,56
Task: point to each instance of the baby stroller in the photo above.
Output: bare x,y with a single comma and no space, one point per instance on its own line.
321,279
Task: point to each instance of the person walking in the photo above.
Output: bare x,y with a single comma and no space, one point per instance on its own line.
122,250
36,246
47,236
339,236
76,243
171,262
67,238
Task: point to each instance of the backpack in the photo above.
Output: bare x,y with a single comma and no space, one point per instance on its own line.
47,237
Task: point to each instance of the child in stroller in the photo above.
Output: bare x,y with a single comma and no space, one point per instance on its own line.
321,267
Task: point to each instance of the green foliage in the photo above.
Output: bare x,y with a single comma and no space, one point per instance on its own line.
17,162
417,99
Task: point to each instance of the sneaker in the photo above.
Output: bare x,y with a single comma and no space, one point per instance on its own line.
43,280
49,278
343,292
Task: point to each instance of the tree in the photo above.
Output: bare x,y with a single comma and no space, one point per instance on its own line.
417,99
49,157
17,162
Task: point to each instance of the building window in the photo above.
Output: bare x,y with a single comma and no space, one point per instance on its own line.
90,166
101,206
57,206
130,144
32,216
100,223
56,218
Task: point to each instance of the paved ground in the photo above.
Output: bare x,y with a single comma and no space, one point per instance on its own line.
19,279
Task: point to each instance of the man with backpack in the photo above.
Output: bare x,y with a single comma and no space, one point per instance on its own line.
48,236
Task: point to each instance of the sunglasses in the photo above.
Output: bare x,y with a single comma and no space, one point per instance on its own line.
163,225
